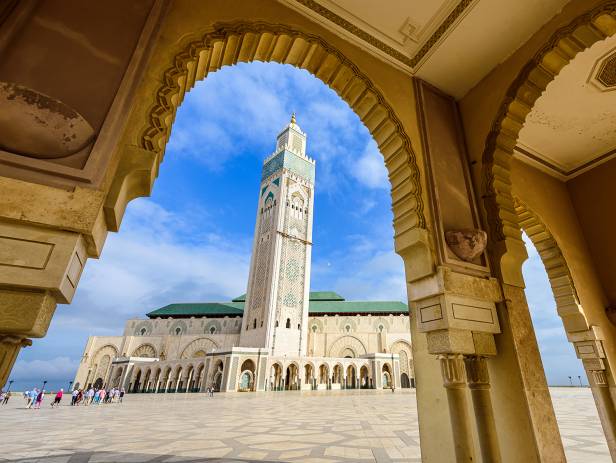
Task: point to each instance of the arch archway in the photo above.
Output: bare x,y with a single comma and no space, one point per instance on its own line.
198,348
276,377
351,375
520,98
144,350
347,346
291,382
224,44
247,376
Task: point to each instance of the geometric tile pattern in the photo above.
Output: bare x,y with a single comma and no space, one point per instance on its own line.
306,427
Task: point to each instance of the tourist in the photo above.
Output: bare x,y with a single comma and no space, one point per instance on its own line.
7,396
121,394
101,395
74,396
39,399
2,394
32,397
58,398
89,396
79,397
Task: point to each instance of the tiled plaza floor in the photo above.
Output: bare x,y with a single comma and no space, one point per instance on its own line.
337,426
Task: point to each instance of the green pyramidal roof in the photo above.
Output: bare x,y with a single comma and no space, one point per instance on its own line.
320,303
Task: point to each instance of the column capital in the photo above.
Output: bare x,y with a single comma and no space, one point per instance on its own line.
477,372
452,370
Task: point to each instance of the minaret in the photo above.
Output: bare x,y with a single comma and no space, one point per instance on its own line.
276,309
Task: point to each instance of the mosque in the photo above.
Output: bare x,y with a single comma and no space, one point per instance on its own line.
277,336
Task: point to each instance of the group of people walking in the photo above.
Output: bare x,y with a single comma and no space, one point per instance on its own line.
34,398
97,396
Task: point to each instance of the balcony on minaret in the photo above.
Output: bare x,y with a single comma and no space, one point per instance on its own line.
290,154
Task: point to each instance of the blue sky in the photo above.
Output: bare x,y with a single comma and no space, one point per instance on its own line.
191,240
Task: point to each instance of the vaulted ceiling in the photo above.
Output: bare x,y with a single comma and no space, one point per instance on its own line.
572,126
452,44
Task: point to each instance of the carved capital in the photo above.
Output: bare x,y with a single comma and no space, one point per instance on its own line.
477,372
452,369
600,378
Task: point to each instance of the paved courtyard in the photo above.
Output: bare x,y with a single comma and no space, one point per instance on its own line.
337,426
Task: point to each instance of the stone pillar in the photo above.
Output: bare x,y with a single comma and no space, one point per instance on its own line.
605,405
479,385
452,369
588,346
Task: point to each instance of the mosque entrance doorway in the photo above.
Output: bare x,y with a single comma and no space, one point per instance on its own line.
404,380
292,378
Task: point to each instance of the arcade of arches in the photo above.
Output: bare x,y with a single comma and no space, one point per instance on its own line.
516,135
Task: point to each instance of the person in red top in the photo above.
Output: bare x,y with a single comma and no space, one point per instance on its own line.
58,398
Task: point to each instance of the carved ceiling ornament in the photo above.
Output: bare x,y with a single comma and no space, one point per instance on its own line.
410,61
603,74
229,43
597,24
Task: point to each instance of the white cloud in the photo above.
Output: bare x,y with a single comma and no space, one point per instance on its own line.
150,264
369,169
55,369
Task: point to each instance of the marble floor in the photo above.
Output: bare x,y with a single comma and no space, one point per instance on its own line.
319,427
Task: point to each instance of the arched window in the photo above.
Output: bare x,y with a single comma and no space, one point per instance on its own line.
347,328
314,328
143,331
212,330
254,323
178,331
288,323
261,324
298,326
276,323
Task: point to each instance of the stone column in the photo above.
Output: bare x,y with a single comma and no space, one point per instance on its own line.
452,369
479,385
605,405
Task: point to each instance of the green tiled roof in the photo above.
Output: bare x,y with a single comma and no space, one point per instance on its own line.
353,307
199,308
321,302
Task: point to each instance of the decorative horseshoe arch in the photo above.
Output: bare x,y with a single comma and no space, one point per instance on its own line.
144,350
531,82
347,342
107,349
204,345
566,297
226,44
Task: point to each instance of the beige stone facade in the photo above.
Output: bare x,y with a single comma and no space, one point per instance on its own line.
150,356
455,149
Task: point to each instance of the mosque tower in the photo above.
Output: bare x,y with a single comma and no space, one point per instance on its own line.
276,308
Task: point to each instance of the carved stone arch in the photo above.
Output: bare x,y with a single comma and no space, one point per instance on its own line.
597,24
567,301
225,44
107,349
144,350
347,342
404,350
194,348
